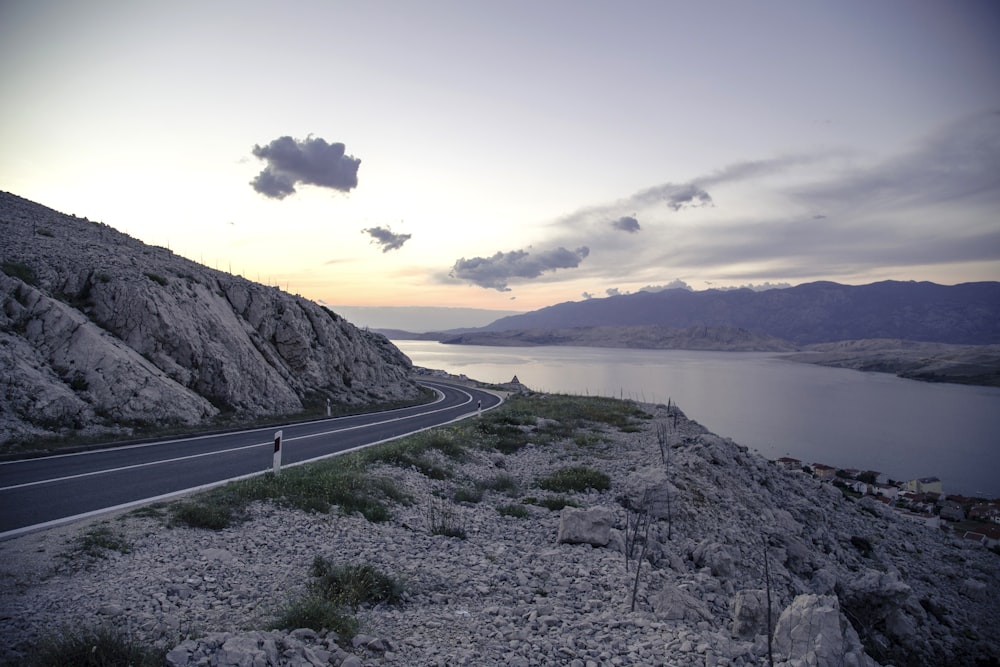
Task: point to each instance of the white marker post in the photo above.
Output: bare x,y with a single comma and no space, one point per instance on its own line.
277,453
328,407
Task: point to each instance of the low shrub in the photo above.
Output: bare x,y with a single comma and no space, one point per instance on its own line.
468,494
18,270
100,646
203,513
316,612
340,481
502,483
445,521
157,278
516,511
335,591
354,585
98,541
575,479
557,503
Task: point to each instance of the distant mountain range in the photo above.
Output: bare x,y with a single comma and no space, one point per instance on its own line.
820,312
918,330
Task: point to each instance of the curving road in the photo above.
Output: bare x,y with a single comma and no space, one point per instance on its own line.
44,492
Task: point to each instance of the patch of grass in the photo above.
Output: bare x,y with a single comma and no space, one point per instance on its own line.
203,513
516,511
336,591
575,479
515,424
445,521
100,646
414,452
557,503
317,487
96,542
355,585
316,612
579,410
157,278
502,483
586,440
22,271
154,511
468,494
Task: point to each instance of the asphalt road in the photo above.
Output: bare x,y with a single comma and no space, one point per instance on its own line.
44,492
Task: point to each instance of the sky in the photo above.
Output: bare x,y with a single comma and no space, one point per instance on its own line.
512,155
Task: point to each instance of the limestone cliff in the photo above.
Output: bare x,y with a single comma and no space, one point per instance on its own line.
101,332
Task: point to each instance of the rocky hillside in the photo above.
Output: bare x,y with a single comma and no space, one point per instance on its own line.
101,333
850,583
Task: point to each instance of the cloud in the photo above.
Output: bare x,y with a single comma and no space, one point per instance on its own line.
677,283
496,271
689,197
676,195
311,161
960,161
626,223
760,287
386,238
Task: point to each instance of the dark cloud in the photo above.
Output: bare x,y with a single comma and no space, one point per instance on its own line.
676,195
689,197
495,272
386,238
311,161
626,223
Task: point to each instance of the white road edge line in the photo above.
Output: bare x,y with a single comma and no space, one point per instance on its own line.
17,532
140,445
149,464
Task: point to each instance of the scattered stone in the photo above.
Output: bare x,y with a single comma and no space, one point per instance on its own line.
510,594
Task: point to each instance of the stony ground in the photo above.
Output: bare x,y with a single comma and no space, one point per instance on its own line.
509,593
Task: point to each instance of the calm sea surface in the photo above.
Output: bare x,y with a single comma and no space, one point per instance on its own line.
843,418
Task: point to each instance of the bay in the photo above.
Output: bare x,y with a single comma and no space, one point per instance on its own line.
902,428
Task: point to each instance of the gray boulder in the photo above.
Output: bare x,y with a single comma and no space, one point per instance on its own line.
585,526
812,632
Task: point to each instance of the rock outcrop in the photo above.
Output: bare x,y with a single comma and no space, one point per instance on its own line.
102,333
812,632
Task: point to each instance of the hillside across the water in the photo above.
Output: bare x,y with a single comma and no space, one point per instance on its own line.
821,312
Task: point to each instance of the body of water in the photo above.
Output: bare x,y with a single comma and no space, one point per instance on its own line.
850,419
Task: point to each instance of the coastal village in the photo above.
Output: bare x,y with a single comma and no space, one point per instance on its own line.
921,500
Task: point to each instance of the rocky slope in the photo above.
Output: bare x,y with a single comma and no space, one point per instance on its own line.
850,583
100,333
